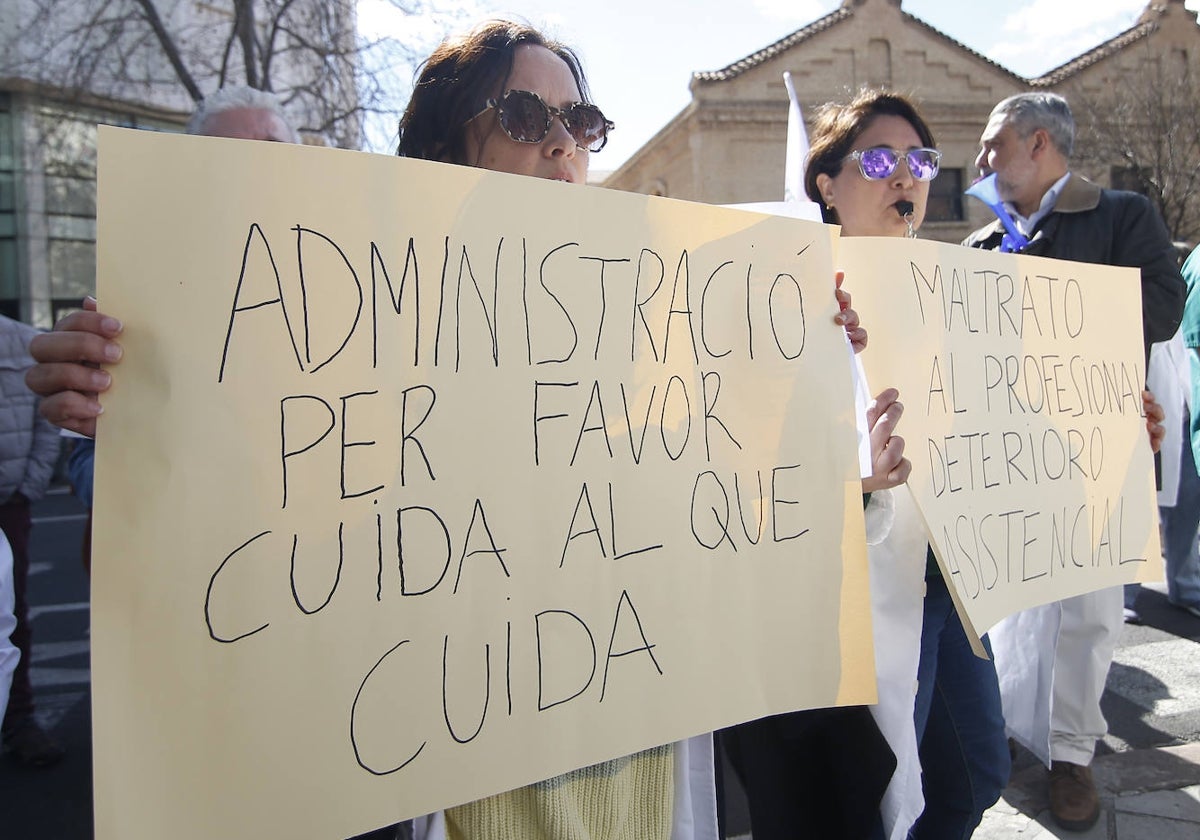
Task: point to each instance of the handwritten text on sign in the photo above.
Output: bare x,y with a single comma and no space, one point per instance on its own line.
1021,378
414,468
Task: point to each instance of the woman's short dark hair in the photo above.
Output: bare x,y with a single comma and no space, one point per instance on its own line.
838,125
458,78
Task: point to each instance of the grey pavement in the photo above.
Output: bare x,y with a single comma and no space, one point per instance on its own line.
1147,769
55,803
1146,794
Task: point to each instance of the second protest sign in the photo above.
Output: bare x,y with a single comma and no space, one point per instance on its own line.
1021,379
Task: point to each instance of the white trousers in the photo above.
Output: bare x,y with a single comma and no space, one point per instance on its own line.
1087,638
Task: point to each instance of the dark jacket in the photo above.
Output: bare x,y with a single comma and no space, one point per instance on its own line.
1109,227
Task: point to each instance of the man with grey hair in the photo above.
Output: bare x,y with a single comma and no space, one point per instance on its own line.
1067,645
243,113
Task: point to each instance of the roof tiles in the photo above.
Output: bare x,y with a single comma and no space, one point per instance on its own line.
1053,77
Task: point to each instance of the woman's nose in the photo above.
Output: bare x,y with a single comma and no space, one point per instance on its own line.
903,175
559,142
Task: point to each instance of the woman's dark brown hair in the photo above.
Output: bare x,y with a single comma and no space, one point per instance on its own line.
839,125
457,80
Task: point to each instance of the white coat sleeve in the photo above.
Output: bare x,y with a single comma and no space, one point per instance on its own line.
8,653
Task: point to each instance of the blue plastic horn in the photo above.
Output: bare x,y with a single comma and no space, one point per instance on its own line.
985,190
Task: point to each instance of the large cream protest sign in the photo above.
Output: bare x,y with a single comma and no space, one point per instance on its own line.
419,483
1021,379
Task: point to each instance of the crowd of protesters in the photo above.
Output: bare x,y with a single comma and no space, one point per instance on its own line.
915,765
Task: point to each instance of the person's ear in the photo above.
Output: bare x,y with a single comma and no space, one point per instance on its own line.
1041,142
825,189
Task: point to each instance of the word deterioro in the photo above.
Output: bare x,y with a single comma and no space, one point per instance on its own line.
983,460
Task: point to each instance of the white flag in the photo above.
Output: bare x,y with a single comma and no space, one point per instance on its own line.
797,147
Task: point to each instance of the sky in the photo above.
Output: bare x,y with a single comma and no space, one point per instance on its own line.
639,55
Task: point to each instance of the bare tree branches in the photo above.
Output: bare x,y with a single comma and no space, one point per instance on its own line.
167,43
1144,123
169,54
243,22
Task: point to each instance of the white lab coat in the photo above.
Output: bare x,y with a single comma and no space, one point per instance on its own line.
1169,379
8,653
896,550
1068,645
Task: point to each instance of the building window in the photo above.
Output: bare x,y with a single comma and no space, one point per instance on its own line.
68,152
946,197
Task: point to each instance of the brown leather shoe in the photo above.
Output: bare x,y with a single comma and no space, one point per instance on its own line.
1074,803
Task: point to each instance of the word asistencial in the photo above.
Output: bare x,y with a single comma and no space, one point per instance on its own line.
1018,545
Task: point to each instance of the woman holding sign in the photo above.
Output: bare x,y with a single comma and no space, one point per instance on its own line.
869,168
505,98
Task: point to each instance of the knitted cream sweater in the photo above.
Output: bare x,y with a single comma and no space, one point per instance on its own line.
629,798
